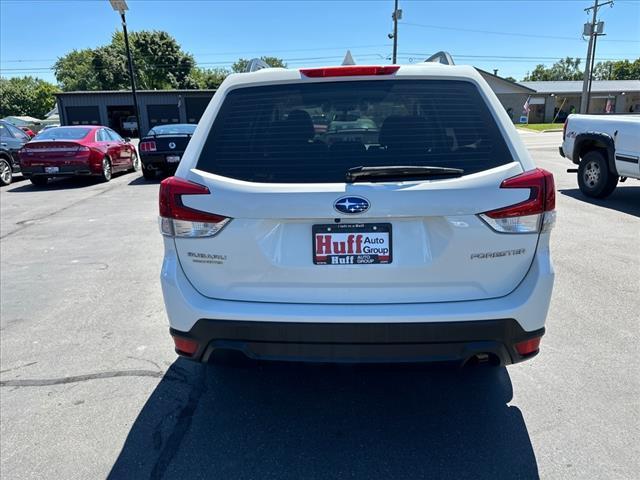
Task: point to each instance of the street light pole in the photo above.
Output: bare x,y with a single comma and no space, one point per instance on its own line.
121,7
591,54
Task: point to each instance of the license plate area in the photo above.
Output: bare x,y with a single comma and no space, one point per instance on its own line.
173,158
51,169
352,244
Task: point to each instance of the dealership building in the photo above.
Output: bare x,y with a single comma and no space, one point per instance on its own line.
547,101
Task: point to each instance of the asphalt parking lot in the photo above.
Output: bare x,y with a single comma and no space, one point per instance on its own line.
90,386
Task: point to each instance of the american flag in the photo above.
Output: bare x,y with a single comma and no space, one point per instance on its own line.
609,107
525,107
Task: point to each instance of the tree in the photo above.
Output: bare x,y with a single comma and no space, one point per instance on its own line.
26,96
511,79
160,63
565,69
75,71
208,78
617,70
241,64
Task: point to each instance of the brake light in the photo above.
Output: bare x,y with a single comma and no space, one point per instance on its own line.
178,220
350,71
536,214
528,346
148,146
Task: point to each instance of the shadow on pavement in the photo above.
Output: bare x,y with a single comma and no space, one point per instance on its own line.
625,199
316,422
142,181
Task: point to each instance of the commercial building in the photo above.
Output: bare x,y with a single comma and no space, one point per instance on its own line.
112,108
547,101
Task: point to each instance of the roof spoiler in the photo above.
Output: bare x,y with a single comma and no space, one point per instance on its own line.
442,57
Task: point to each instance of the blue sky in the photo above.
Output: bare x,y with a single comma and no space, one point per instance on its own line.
34,33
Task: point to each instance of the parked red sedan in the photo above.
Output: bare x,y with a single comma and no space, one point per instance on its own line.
77,150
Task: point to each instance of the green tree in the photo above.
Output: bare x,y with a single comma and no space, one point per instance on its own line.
75,71
565,69
26,96
160,63
241,64
208,78
617,70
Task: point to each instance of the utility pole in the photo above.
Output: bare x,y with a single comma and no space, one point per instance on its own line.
593,29
120,6
397,15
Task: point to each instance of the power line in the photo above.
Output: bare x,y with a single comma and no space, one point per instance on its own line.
510,34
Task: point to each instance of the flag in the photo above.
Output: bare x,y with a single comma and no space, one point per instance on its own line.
609,107
525,107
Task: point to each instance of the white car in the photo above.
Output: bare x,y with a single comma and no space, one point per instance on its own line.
606,149
426,241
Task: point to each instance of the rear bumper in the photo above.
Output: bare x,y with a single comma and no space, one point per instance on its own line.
158,161
361,342
64,171
448,330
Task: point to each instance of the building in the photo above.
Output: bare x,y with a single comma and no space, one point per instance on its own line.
560,98
112,108
547,101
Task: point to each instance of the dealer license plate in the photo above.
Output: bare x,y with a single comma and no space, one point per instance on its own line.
352,244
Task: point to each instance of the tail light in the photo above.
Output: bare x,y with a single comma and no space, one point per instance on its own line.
148,146
349,71
185,346
178,220
534,215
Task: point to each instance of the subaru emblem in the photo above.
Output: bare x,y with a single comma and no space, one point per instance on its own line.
172,145
351,205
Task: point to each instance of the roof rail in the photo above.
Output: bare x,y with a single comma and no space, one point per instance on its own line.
256,64
442,57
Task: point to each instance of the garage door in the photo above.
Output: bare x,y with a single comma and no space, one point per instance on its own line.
195,108
162,114
82,115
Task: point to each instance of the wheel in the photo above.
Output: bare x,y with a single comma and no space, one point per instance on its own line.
6,172
135,163
148,174
39,180
594,177
106,169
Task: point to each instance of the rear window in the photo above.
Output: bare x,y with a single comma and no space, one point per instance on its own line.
62,133
313,133
174,129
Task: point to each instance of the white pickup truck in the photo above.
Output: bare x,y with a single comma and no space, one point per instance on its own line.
606,149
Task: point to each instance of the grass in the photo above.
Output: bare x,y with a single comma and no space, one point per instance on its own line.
539,127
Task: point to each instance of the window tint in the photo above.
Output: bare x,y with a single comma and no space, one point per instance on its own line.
17,133
4,132
64,133
312,133
177,129
113,135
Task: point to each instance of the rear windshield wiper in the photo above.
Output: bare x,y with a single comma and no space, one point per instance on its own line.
400,171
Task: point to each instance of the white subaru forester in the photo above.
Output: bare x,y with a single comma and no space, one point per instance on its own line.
357,214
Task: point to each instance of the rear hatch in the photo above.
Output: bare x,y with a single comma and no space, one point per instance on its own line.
169,143
269,215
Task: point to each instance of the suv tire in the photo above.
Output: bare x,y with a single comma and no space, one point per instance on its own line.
594,177
6,172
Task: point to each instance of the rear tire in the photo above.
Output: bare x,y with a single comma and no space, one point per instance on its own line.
135,163
148,174
594,177
6,172
107,171
39,181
